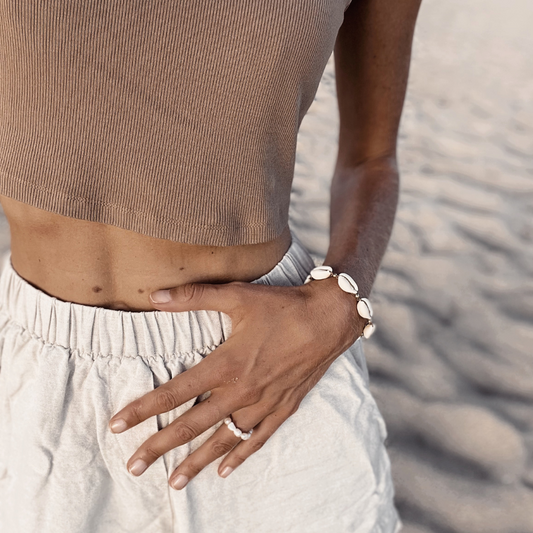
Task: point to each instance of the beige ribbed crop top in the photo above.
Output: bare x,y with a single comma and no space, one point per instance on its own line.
176,119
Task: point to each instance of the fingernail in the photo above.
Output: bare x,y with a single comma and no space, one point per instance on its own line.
160,297
118,425
138,467
226,472
180,482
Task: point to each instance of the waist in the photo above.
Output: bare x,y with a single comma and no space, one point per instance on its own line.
99,332
100,265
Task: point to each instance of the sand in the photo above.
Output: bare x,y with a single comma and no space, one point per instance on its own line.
452,360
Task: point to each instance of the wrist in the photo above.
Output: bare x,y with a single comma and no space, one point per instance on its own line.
347,285
336,312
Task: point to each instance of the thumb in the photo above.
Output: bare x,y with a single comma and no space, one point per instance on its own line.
223,297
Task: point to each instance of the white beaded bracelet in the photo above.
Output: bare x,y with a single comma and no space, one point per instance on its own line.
347,284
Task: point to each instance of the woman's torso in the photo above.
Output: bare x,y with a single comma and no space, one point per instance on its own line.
177,120
98,264
146,145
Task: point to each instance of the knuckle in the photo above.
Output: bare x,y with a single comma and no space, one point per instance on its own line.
292,410
165,399
249,395
184,432
137,409
190,291
151,453
194,469
256,445
222,448
239,285
238,459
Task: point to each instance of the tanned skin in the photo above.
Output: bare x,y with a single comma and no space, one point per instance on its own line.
283,338
102,265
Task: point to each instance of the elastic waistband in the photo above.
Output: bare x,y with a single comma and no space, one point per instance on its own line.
101,332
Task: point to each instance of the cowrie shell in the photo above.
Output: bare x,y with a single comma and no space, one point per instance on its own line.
321,272
369,330
347,284
364,308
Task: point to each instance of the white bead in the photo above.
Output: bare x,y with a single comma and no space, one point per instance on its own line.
367,301
237,432
364,308
347,284
369,330
231,426
251,431
227,420
245,436
321,272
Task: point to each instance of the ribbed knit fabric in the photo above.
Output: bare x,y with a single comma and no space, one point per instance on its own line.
173,119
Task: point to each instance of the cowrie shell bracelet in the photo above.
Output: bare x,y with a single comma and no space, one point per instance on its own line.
236,431
347,284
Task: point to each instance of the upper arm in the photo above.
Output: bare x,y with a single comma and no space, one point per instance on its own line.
372,56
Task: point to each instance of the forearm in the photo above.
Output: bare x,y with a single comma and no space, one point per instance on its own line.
363,207
372,57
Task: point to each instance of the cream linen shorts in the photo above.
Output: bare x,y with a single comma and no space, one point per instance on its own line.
65,369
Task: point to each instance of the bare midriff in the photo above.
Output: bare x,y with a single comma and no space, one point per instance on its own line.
101,265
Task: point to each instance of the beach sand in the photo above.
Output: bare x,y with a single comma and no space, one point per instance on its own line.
451,362
452,359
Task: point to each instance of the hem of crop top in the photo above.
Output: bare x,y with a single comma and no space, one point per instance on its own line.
115,215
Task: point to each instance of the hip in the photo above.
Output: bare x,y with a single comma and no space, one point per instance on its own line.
65,369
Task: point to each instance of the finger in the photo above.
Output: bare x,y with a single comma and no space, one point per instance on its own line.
224,297
219,444
182,430
262,432
207,375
